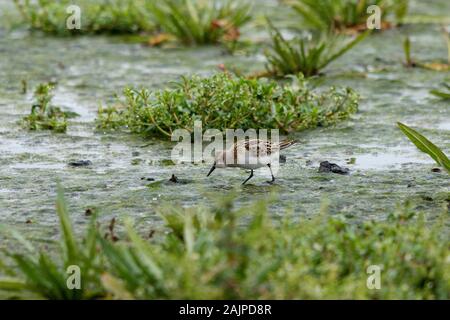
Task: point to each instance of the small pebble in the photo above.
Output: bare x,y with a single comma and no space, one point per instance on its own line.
326,166
173,179
436,170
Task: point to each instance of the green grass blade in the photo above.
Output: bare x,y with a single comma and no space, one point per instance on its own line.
14,284
145,254
426,146
440,94
66,227
407,50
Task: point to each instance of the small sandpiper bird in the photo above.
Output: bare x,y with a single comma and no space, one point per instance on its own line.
250,154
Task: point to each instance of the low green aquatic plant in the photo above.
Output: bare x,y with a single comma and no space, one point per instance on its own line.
239,252
308,56
202,21
45,116
425,145
99,16
227,102
344,15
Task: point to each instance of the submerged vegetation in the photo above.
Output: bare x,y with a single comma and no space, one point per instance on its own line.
212,254
425,145
344,15
308,56
227,102
45,116
101,16
201,22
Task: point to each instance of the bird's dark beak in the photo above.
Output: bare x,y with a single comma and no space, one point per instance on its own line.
212,169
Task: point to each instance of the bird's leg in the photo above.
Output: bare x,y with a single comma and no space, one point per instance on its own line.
273,178
251,175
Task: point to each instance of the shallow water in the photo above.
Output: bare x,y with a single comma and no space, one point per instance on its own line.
386,169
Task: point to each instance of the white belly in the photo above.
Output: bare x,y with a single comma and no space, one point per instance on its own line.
252,163
251,166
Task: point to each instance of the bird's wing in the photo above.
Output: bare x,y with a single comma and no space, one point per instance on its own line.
287,143
256,147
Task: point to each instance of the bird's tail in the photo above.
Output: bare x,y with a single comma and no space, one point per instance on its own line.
287,143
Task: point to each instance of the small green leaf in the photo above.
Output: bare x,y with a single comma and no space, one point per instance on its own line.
440,94
66,227
426,146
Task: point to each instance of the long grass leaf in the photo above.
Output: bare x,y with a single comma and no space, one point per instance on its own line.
70,244
426,146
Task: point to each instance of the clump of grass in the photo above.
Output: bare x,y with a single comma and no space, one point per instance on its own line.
345,15
100,16
306,56
201,21
425,145
45,116
43,275
226,102
226,252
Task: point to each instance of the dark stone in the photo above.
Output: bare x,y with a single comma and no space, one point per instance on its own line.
80,163
135,153
173,179
436,170
282,158
147,179
326,166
